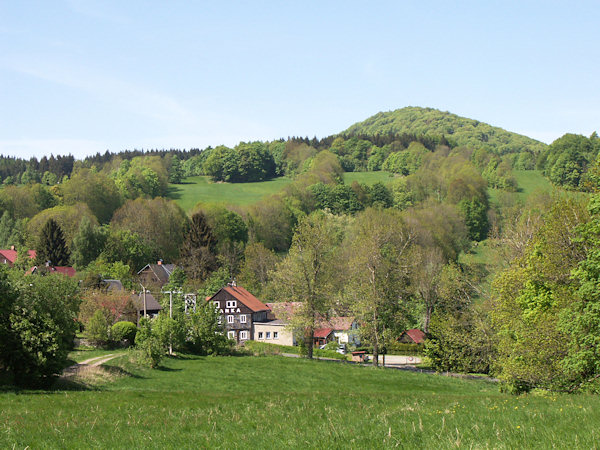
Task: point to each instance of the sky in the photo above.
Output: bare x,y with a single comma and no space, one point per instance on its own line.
86,76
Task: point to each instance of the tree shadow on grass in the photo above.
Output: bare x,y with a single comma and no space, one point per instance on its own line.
173,193
89,378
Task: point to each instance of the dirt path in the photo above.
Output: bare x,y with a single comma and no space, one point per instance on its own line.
92,362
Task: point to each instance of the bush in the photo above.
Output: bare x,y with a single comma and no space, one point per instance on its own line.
124,330
97,329
150,349
399,348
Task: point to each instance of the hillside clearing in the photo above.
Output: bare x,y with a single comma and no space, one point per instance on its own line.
267,402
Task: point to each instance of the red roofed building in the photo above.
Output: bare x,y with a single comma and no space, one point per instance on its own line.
413,336
68,271
10,256
240,310
322,336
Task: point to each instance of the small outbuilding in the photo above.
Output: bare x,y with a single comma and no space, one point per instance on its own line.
412,336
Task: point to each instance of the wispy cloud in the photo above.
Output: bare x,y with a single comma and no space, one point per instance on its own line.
96,10
132,97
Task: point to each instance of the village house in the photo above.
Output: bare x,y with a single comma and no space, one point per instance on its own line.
9,256
240,311
412,336
65,270
155,276
274,332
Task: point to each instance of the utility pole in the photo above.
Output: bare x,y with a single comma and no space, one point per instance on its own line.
144,296
170,292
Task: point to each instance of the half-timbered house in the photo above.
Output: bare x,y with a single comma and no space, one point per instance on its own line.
239,311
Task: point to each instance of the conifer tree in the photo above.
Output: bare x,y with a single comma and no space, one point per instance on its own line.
198,251
52,245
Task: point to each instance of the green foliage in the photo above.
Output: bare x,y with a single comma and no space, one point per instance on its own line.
150,349
170,331
567,159
205,333
126,247
88,243
96,190
123,330
142,177
476,219
405,162
52,245
176,171
246,162
68,217
10,231
37,326
97,329
432,122
198,257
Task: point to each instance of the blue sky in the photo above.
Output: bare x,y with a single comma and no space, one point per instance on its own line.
82,76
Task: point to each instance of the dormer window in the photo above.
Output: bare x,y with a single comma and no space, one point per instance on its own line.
231,304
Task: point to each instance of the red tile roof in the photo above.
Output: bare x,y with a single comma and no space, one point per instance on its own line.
323,332
416,335
246,298
11,255
68,271
338,323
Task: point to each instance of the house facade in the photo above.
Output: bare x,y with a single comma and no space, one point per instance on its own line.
154,276
240,312
273,332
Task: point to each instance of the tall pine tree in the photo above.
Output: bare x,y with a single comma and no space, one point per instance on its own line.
198,252
52,245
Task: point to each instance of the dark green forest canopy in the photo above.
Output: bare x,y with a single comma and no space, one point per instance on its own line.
458,130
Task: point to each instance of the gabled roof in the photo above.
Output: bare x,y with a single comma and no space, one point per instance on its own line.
338,323
151,303
162,271
242,295
323,332
68,271
10,255
416,335
113,285
284,310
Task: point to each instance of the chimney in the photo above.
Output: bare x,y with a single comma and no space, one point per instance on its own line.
159,262
12,247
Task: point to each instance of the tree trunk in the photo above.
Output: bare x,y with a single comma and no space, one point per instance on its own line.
428,311
308,341
375,353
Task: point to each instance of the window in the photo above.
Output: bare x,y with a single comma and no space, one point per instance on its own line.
243,318
231,303
260,335
230,319
244,334
268,335
275,334
231,334
216,305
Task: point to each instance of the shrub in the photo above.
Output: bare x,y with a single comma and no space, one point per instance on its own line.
97,329
123,331
399,348
150,349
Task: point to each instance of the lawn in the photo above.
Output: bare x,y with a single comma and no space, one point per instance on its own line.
201,189
529,181
276,402
368,177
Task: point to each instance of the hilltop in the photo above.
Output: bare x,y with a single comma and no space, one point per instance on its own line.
459,130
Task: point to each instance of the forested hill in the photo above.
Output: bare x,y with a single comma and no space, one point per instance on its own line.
458,130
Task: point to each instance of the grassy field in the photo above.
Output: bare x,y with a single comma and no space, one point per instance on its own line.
201,189
529,181
276,402
368,177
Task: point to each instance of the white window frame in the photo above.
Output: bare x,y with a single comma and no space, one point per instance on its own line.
275,335
217,304
230,319
243,335
242,318
268,335
231,304
231,334
260,335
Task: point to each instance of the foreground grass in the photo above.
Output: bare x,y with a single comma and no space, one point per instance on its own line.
276,402
201,189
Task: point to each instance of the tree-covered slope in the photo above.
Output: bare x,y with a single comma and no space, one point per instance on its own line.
459,130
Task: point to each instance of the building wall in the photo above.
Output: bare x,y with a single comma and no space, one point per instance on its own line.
284,335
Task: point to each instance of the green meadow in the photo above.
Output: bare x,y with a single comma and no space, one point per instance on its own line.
529,181
201,189
277,402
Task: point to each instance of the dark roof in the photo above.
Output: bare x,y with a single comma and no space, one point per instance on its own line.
323,332
162,271
151,303
271,322
113,285
416,335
